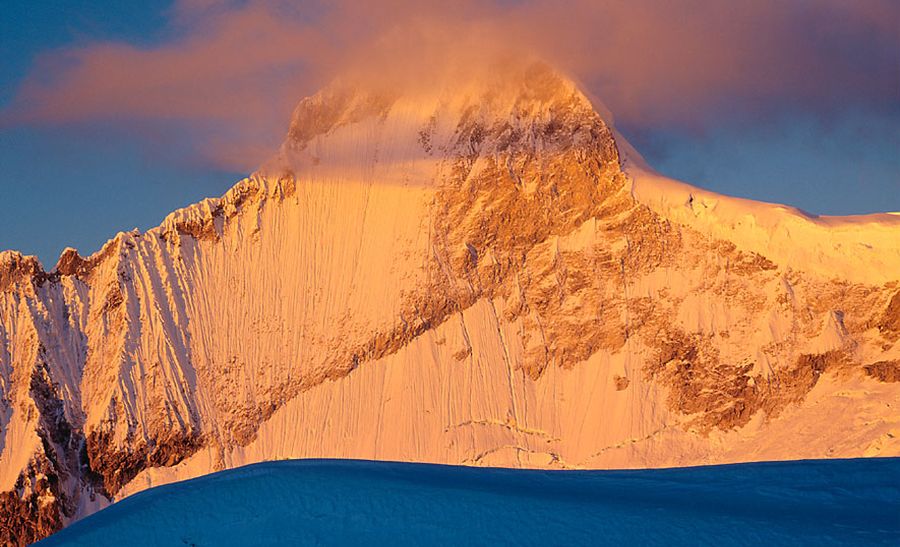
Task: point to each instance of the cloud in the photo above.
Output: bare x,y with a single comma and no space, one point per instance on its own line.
233,70
660,62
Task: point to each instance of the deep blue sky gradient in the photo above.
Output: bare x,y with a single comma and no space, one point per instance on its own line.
78,185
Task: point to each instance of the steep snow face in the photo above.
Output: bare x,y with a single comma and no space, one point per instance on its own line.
463,274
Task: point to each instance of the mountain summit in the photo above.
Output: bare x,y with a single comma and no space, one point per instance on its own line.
477,272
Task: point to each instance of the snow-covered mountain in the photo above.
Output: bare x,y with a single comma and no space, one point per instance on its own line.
476,272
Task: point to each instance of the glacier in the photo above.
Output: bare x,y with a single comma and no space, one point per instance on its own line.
345,502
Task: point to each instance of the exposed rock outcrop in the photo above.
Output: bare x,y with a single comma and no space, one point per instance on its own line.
884,371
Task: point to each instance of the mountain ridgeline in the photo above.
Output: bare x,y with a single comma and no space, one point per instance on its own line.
482,273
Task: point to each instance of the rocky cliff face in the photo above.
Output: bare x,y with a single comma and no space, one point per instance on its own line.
481,274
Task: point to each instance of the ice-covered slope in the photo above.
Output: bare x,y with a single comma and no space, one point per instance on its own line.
382,503
458,273
861,249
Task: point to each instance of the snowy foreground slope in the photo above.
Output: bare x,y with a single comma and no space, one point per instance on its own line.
341,502
477,272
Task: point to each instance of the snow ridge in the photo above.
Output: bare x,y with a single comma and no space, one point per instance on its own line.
472,274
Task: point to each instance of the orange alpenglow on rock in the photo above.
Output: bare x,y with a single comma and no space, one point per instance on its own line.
481,272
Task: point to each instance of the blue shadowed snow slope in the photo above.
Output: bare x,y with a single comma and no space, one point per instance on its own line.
360,502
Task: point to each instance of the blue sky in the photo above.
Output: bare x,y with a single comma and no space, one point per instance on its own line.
75,173
79,185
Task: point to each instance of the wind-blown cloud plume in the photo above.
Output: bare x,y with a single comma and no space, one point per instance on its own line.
231,71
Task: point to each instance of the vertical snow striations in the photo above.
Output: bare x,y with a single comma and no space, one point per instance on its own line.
458,274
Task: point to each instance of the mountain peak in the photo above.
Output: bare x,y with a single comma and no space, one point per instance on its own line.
471,247
527,104
14,267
